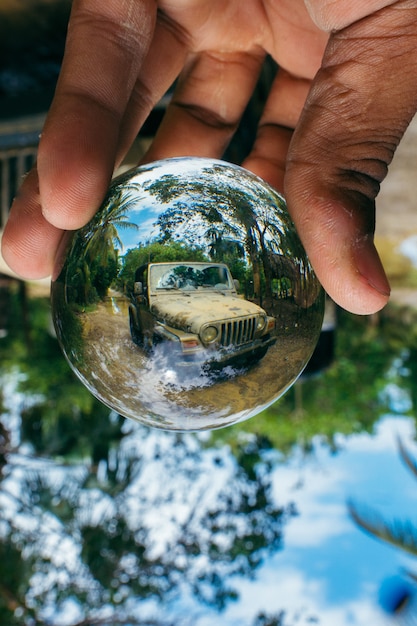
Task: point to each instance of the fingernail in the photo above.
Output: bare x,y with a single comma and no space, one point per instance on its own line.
370,267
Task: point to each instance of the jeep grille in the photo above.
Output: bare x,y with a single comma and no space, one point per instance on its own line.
237,332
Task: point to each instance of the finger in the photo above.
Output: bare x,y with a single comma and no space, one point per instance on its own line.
164,60
29,241
106,45
209,100
280,116
331,15
359,106
162,65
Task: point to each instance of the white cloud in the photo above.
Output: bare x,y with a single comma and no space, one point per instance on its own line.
302,599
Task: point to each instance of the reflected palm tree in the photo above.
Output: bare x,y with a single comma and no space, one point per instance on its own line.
96,246
103,238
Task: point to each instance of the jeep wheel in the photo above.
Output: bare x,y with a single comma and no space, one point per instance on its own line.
260,353
135,331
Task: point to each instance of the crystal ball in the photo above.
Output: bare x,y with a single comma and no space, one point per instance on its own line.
188,301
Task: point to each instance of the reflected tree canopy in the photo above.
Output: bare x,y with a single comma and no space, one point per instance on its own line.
233,221
225,217
82,525
93,257
104,540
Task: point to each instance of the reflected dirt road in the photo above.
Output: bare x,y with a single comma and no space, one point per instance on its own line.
143,386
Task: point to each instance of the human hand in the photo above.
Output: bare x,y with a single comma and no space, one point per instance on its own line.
122,56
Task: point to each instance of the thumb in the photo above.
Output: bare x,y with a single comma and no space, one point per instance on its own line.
360,103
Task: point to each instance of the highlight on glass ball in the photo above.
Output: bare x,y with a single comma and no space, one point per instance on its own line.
188,302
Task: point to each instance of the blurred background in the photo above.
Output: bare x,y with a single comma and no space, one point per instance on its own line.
305,514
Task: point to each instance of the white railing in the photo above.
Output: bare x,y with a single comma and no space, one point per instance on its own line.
18,148
14,164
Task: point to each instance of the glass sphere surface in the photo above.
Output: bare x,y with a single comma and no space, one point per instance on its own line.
187,302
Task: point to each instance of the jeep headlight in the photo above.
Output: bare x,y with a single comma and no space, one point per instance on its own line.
261,323
209,334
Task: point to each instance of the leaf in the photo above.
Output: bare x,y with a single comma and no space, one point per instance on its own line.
411,575
398,533
409,461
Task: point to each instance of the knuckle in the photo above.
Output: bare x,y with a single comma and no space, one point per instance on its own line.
120,24
204,115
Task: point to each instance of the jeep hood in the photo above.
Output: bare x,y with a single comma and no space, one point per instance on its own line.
188,312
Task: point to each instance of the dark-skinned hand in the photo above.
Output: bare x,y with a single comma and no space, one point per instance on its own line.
344,94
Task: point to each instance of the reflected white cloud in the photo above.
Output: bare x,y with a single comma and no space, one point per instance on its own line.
327,572
323,572
303,602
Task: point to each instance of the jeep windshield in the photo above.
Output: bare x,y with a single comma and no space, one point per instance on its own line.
190,277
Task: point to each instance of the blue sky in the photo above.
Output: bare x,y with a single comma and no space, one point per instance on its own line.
328,568
148,209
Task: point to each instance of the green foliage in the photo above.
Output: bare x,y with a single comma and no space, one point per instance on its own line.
61,420
235,221
104,275
155,252
92,262
232,536
263,619
88,280
345,398
103,547
14,578
64,419
117,549
311,407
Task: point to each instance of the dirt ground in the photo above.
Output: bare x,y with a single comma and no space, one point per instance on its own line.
396,221
396,204
163,391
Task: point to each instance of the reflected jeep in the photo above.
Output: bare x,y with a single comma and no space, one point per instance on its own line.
195,307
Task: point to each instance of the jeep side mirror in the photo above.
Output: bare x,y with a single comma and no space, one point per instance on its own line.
236,283
138,289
